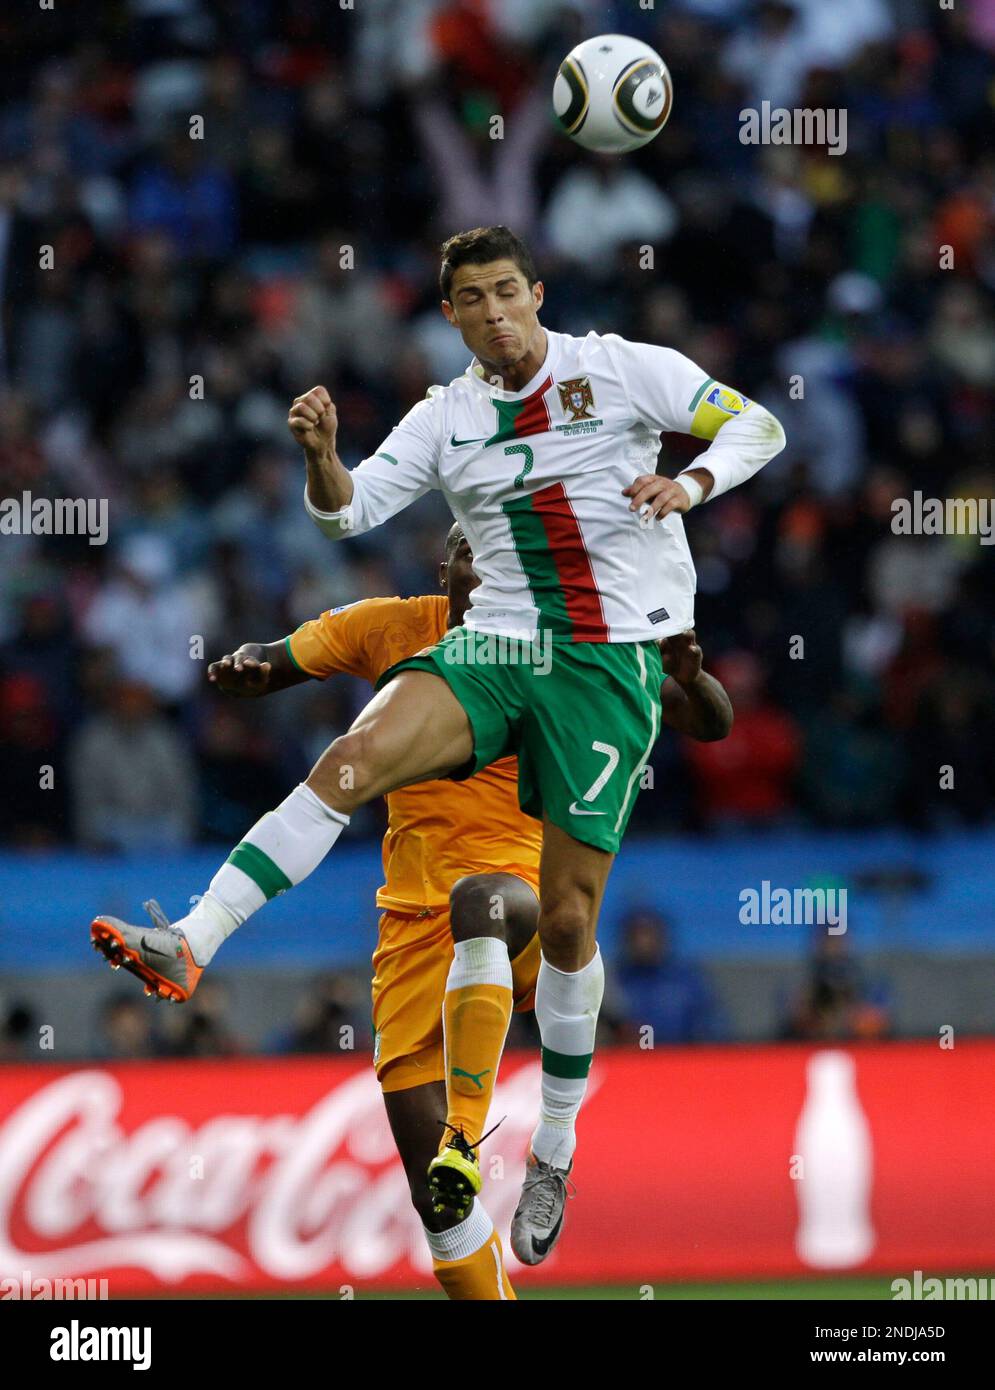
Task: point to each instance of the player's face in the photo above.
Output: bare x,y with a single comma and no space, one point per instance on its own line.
495,311
458,579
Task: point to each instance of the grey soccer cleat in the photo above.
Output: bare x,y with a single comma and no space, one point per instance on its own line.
160,956
538,1219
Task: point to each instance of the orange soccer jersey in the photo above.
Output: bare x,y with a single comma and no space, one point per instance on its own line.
436,831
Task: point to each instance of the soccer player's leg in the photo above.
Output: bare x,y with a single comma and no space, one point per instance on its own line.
493,918
411,964
568,997
584,788
467,1258
413,730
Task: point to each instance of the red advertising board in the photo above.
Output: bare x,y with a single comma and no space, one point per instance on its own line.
692,1163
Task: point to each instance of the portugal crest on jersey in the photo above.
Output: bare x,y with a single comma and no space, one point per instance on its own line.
577,397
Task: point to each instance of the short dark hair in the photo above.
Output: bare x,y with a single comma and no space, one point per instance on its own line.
480,245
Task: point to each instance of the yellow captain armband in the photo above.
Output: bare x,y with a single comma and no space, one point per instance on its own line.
712,406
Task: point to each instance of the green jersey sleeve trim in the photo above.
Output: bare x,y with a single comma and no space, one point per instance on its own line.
290,653
709,381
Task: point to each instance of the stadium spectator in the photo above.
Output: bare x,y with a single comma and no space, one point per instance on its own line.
838,1002
182,193
340,315
747,778
43,646
243,772
18,1033
132,776
661,991
33,807
329,1018
124,1029
951,748
202,1028
599,207
854,772
472,194
146,620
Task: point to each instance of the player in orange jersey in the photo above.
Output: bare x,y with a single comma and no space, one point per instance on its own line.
457,947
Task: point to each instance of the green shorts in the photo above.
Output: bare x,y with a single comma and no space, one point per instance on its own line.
582,718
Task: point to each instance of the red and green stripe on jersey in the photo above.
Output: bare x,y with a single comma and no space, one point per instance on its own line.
546,535
516,419
551,549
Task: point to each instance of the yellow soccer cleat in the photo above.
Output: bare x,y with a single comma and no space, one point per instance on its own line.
454,1176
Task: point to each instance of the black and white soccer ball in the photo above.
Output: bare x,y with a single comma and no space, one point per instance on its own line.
612,94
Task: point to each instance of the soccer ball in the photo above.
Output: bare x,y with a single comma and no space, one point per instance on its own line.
612,94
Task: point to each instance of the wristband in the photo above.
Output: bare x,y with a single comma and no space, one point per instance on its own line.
692,487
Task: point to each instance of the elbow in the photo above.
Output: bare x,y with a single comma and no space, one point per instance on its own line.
723,725
715,728
774,437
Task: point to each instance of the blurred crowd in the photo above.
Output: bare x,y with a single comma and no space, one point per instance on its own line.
246,197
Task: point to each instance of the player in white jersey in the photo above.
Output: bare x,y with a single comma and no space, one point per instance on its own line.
545,449
537,478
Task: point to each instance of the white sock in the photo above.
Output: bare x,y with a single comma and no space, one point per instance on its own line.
278,853
567,1005
462,1240
483,960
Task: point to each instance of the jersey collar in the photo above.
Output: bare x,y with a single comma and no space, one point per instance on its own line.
474,373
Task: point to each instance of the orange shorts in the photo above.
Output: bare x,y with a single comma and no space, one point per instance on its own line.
411,964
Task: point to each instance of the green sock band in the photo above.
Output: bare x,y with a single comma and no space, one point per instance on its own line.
268,877
562,1064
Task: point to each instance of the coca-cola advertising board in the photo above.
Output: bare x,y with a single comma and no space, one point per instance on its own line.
692,1163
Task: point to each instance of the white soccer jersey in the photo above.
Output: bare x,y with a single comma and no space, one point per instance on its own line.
535,479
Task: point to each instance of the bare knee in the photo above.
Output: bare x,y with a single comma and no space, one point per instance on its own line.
567,929
477,907
342,775
498,905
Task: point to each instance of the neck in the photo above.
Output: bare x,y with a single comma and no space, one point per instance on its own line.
520,373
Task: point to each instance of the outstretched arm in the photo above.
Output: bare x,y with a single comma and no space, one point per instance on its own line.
256,669
693,702
343,502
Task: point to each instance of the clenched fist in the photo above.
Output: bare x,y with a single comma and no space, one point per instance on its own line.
313,422
245,672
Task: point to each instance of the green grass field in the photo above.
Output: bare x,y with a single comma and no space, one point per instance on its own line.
860,1288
